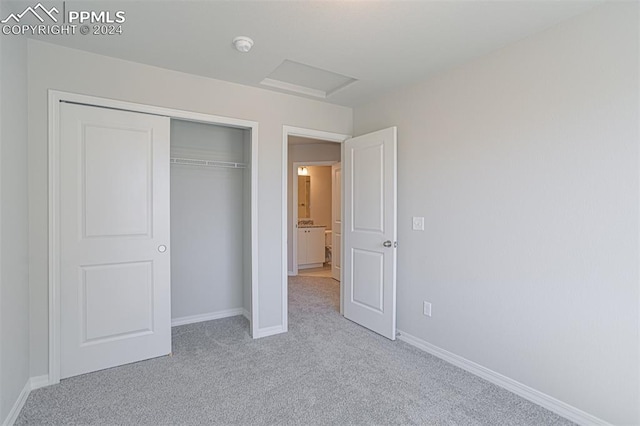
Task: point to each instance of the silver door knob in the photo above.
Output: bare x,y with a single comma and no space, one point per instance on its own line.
162,248
387,243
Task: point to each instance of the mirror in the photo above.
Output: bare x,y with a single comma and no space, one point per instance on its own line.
304,197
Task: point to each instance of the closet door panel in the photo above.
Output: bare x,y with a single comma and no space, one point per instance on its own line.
114,238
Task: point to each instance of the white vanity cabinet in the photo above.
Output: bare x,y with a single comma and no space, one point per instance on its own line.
311,247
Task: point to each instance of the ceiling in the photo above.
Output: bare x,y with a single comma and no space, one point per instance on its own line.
382,45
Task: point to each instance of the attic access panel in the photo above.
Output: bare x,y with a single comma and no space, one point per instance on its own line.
307,80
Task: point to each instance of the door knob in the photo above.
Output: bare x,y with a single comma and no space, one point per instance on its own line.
162,248
387,243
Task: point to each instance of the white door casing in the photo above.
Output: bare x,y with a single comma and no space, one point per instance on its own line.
370,230
114,238
336,221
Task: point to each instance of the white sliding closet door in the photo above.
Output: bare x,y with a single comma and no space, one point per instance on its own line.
114,238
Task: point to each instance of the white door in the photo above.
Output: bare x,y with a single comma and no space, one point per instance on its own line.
115,305
336,220
369,167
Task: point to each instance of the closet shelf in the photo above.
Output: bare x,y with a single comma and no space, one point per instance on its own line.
207,163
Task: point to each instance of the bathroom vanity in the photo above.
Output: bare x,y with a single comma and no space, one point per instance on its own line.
311,246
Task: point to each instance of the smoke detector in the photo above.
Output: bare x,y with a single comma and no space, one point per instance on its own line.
243,44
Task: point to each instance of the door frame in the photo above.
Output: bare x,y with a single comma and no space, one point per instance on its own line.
55,97
294,203
305,133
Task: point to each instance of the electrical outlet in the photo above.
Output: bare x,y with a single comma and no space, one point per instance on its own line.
418,223
426,309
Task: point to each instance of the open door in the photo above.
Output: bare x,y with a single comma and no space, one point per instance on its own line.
370,230
115,305
336,220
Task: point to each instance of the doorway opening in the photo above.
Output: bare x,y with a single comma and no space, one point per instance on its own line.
312,199
313,194
210,222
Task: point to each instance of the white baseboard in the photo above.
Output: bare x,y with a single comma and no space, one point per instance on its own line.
550,403
33,383
17,406
207,317
246,314
291,274
269,331
38,382
310,266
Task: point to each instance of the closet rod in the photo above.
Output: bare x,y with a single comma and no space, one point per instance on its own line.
207,163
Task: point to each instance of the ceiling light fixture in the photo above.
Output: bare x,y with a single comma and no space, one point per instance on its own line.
243,44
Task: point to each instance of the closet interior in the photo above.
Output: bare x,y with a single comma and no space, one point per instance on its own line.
210,221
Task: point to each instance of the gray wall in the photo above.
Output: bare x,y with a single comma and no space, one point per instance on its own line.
76,71
14,285
207,221
327,151
524,164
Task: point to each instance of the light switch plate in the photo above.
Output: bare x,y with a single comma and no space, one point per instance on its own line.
426,309
418,223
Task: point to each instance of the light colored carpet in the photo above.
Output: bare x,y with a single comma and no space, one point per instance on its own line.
326,370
